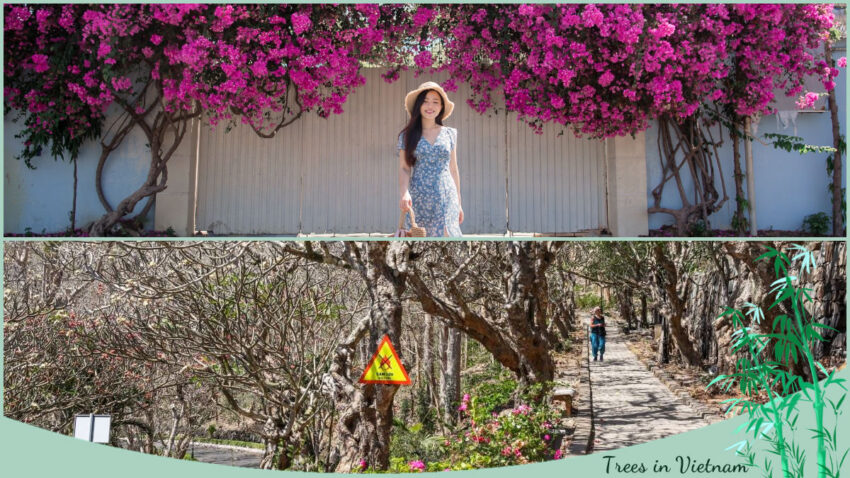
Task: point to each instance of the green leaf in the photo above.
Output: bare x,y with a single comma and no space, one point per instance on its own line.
820,367
771,252
804,388
823,326
793,422
807,256
843,457
792,404
836,406
728,311
716,379
813,334
757,426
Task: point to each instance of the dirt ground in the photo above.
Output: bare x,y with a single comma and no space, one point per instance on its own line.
569,367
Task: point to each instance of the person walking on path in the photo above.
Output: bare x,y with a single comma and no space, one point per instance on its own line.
428,176
597,334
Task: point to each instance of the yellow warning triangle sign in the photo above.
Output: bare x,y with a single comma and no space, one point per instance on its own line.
385,366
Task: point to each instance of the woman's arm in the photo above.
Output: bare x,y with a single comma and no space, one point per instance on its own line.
456,176
403,182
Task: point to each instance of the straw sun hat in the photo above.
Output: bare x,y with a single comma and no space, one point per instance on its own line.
410,99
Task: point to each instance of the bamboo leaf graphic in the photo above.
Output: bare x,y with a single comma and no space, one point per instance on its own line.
771,252
820,367
738,446
792,404
823,326
836,406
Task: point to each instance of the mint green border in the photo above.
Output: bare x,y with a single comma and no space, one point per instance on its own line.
29,451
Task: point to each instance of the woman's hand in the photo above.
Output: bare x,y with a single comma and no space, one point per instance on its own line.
460,216
406,203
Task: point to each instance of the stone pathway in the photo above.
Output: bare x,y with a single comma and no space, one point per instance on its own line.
226,455
630,405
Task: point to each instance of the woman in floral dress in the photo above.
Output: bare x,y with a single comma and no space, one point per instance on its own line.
428,176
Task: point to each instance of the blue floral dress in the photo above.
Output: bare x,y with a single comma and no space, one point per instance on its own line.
432,188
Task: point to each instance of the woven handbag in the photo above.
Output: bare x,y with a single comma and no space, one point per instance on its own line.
415,231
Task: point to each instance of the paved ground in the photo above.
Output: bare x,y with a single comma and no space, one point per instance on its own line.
630,405
224,455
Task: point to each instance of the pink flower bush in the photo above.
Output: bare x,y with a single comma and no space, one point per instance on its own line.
222,60
606,70
807,101
603,70
417,466
515,436
39,63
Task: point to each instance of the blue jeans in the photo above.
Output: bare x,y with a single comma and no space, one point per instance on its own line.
597,344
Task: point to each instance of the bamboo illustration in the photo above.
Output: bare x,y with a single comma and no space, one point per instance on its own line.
792,336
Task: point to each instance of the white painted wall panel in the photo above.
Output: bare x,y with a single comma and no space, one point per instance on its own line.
556,182
351,164
249,185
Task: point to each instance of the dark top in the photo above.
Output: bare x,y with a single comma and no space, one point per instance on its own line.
598,330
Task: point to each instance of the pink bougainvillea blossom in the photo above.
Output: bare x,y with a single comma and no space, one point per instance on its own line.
39,63
607,70
603,70
807,101
300,23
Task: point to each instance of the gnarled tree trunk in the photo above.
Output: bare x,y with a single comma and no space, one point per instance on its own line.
515,330
366,411
676,307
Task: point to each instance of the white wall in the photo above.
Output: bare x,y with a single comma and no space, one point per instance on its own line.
340,174
40,199
789,186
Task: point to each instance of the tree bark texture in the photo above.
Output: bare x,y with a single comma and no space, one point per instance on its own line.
515,332
671,281
366,411
837,168
450,378
739,221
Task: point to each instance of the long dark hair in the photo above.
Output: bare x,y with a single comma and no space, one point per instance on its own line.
413,131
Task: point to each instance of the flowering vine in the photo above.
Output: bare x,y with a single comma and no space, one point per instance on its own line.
602,70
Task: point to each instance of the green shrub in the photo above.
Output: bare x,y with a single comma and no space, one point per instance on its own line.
416,442
243,444
426,415
483,438
816,224
699,228
536,392
494,396
516,436
588,301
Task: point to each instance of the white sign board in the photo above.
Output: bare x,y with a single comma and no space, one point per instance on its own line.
94,428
